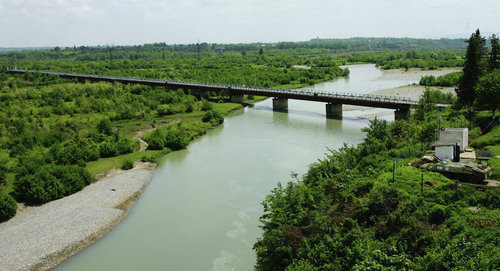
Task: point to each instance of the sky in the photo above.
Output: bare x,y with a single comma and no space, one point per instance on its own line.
36,23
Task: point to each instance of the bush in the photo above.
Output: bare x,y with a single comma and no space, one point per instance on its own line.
149,159
38,184
128,164
156,140
104,126
437,214
206,105
176,140
8,207
214,117
165,109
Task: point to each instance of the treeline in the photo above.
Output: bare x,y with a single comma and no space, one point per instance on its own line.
426,60
363,208
375,44
163,50
266,71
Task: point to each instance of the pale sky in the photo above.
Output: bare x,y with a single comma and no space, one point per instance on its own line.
25,23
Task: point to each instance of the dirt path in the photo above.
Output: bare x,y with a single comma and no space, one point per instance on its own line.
140,133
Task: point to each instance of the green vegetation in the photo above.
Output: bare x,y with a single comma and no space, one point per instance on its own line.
447,80
360,208
425,60
8,206
128,164
478,85
105,164
55,134
364,208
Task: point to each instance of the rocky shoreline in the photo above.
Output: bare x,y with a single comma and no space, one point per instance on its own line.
39,238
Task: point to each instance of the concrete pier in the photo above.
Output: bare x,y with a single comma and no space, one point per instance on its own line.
333,111
401,114
236,98
280,104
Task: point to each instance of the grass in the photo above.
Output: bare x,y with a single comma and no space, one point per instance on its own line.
105,164
491,141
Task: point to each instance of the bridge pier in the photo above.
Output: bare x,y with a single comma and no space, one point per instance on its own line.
236,98
280,104
401,114
334,111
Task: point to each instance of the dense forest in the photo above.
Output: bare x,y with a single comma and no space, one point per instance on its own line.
354,209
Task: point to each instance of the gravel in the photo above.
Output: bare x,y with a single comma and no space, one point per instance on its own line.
39,238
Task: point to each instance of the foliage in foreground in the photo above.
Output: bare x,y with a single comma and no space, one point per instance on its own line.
8,207
351,213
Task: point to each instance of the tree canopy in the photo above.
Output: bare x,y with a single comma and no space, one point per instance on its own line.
474,67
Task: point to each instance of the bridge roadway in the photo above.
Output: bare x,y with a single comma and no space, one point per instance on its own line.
334,100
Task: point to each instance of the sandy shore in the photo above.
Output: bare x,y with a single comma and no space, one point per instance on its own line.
39,238
410,91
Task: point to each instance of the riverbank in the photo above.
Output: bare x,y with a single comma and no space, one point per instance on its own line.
39,238
59,229
413,91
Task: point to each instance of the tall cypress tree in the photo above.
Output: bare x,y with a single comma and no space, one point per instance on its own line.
474,67
494,60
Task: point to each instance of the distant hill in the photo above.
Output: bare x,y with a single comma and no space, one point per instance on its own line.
10,49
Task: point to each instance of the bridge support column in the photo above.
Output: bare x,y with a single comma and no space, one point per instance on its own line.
334,111
236,98
280,104
401,114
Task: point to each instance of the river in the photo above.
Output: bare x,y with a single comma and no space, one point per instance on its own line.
201,210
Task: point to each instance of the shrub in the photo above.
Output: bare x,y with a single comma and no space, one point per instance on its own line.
38,184
104,126
165,109
214,117
176,140
128,164
8,207
106,149
156,140
149,159
437,214
206,105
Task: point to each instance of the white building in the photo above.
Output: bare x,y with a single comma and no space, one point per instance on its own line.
460,135
446,149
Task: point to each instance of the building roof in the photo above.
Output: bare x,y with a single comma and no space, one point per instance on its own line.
445,143
455,129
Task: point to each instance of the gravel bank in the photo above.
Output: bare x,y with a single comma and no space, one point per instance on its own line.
39,238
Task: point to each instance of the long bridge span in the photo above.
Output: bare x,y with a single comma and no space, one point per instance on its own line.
333,100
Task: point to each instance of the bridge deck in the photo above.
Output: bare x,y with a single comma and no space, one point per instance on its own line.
382,101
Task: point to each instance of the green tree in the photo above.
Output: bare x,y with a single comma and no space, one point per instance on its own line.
156,140
104,126
494,60
488,91
8,207
474,67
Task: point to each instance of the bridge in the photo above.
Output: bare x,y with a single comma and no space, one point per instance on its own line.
333,100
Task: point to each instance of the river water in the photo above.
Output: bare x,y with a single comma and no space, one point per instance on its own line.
201,210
